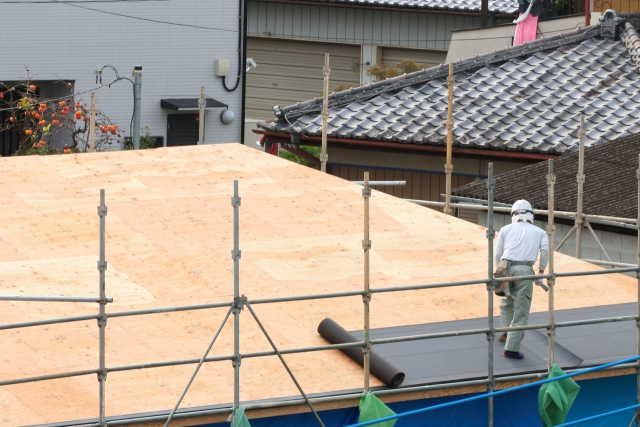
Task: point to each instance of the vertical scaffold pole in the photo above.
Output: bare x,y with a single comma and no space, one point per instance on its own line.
490,286
638,277
366,298
448,167
102,319
580,179
325,113
235,255
551,282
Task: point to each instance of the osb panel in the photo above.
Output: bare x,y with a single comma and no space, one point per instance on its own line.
169,236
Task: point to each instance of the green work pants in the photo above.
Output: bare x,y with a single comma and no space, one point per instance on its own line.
514,309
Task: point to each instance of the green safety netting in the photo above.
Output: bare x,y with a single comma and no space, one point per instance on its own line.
239,418
555,398
372,408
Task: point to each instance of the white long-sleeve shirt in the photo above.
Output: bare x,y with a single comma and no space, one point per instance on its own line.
521,242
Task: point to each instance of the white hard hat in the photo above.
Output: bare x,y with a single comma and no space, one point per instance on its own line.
521,205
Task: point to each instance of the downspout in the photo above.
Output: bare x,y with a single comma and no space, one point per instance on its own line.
244,66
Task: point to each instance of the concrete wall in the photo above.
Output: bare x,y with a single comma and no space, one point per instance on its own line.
355,25
469,42
620,247
73,40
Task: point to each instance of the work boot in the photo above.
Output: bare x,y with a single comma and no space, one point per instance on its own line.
513,354
502,337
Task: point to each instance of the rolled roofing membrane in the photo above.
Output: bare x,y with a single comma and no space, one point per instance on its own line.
380,367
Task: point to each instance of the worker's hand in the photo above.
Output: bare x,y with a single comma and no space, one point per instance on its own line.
539,282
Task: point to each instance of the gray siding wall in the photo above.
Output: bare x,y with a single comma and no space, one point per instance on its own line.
176,59
355,25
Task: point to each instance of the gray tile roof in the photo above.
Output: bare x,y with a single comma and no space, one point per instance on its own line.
496,6
527,98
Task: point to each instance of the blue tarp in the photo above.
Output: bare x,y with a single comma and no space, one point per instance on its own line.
518,409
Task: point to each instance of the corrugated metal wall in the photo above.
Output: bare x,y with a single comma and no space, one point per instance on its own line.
290,71
420,185
355,25
392,55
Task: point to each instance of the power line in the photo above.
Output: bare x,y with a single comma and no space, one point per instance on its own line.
74,1
73,4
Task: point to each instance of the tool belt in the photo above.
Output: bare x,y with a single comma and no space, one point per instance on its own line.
502,289
502,270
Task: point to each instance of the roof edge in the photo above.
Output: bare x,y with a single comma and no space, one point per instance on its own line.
339,99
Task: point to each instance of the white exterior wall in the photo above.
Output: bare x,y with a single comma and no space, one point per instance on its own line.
468,43
355,25
175,60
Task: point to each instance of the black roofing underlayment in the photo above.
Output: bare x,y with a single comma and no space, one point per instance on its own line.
465,357
526,98
610,187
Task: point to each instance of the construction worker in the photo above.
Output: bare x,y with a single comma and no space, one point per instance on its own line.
519,244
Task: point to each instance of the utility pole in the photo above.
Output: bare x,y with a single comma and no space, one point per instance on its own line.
201,104
137,89
448,167
92,124
325,113
580,179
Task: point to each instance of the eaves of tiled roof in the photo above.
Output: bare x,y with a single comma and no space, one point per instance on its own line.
506,7
527,98
610,188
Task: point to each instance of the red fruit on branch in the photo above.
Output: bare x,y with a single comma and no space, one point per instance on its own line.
28,132
66,150
42,123
36,145
79,105
1,95
78,115
12,119
103,129
62,103
32,87
55,122
54,116
36,116
64,112
43,143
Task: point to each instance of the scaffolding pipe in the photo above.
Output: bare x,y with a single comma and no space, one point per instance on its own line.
491,183
102,319
376,183
580,179
237,301
48,322
366,298
304,396
563,241
551,282
342,397
195,372
325,113
608,263
507,209
593,233
448,167
53,299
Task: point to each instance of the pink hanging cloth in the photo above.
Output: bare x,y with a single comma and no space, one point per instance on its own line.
526,30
